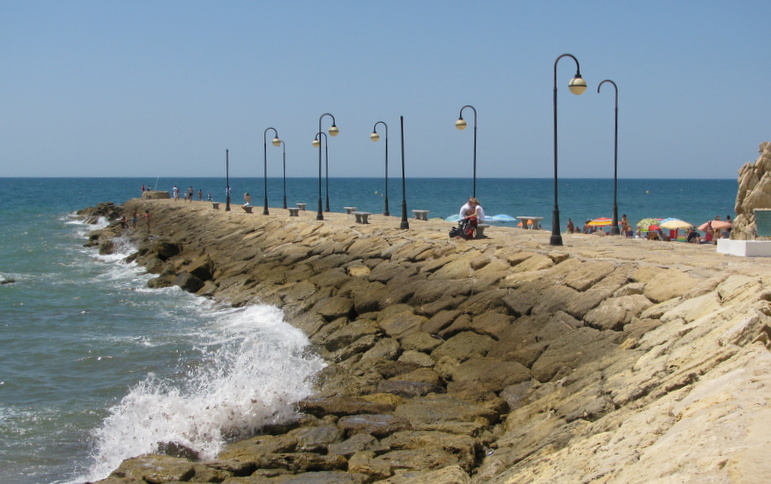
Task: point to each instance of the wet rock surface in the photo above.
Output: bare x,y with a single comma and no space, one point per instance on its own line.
496,360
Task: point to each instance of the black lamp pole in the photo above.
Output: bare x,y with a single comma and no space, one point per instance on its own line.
577,86
405,224
614,228
227,182
276,142
317,139
283,146
334,132
461,125
374,137
326,170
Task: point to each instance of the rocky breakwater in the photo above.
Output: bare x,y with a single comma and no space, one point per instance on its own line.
494,360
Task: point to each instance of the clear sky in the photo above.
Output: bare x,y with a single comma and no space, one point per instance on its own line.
162,88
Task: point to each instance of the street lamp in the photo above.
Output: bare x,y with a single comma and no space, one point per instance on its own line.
405,224
577,85
276,142
334,132
283,146
374,137
227,182
317,142
461,125
614,227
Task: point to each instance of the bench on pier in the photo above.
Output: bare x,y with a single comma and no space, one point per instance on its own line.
480,232
215,205
247,208
421,214
362,217
301,206
294,211
349,210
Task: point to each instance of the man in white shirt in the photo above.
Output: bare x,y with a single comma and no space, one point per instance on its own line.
467,209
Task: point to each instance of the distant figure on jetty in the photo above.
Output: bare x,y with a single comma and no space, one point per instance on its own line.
626,229
466,208
693,236
473,213
175,193
571,226
147,218
134,217
247,200
189,197
200,195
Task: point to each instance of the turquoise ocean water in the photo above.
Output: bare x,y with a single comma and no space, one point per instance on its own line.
95,368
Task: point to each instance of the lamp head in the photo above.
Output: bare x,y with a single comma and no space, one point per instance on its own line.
577,85
333,130
316,142
276,141
374,136
460,124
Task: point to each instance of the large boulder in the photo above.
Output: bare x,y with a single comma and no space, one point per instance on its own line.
754,192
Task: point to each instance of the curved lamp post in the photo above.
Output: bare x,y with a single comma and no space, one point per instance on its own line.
334,132
317,142
374,137
461,125
405,224
614,227
227,181
577,85
276,142
283,146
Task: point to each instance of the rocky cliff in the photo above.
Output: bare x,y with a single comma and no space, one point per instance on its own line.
754,192
496,360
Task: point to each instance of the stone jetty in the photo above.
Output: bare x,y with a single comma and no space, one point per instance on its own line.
497,360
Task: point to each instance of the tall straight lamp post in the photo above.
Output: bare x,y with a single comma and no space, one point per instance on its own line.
577,85
374,137
334,132
614,227
461,125
276,142
405,224
227,181
283,146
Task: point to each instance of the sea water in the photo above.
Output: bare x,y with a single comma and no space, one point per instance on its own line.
95,367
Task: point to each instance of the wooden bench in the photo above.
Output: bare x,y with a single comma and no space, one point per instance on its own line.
349,210
294,211
481,230
215,205
247,208
421,214
362,217
301,206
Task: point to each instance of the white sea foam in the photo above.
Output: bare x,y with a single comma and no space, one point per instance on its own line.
255,367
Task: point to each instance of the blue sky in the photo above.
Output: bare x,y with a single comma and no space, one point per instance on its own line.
162,88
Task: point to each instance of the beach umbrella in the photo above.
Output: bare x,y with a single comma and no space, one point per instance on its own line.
600,222
674,223
645,223
716,224
501,218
